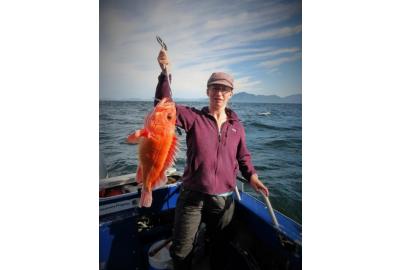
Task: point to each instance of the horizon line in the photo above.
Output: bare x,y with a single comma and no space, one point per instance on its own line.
190,98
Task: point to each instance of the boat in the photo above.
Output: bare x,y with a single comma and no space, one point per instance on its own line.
128,233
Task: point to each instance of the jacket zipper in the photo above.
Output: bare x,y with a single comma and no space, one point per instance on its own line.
219,146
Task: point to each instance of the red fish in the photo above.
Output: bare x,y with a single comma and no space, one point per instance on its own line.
157,148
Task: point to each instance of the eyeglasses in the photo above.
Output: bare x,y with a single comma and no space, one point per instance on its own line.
220,88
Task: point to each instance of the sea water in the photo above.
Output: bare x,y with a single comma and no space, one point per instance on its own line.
273,136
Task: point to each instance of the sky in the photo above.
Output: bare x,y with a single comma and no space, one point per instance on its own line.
258,42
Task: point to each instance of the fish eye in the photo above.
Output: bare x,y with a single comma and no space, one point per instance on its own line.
169,117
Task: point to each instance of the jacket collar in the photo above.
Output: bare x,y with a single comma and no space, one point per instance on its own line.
232,116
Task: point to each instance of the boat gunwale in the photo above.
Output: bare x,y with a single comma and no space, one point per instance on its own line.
176,173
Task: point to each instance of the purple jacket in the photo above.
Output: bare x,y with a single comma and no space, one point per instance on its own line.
212,159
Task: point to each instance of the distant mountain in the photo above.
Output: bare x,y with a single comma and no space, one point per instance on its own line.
243,97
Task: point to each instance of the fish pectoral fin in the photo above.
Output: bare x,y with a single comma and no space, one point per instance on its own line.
135,136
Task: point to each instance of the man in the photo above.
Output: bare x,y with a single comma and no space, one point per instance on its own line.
216,150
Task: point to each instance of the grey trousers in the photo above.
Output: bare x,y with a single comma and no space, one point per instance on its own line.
193,208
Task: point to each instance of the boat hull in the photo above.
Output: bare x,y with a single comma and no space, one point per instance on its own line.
127,231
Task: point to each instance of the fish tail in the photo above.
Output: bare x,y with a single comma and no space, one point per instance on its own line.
146,199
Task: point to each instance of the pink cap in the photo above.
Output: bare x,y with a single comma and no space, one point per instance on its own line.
221,78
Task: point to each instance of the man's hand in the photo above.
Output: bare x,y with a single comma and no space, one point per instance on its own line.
163,60
258,185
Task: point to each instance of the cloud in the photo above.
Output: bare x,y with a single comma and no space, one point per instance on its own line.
280,61
276,33
230,57
200,40
246,83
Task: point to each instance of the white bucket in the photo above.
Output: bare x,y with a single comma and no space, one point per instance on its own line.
161,260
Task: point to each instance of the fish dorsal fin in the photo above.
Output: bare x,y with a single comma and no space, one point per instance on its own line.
161,182
168,162
171,153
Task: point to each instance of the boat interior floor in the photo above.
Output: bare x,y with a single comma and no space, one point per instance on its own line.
244,244
237,247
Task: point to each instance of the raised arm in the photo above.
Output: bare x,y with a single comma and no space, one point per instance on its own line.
185,115
163,88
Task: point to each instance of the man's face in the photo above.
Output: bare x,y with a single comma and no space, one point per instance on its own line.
219,94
